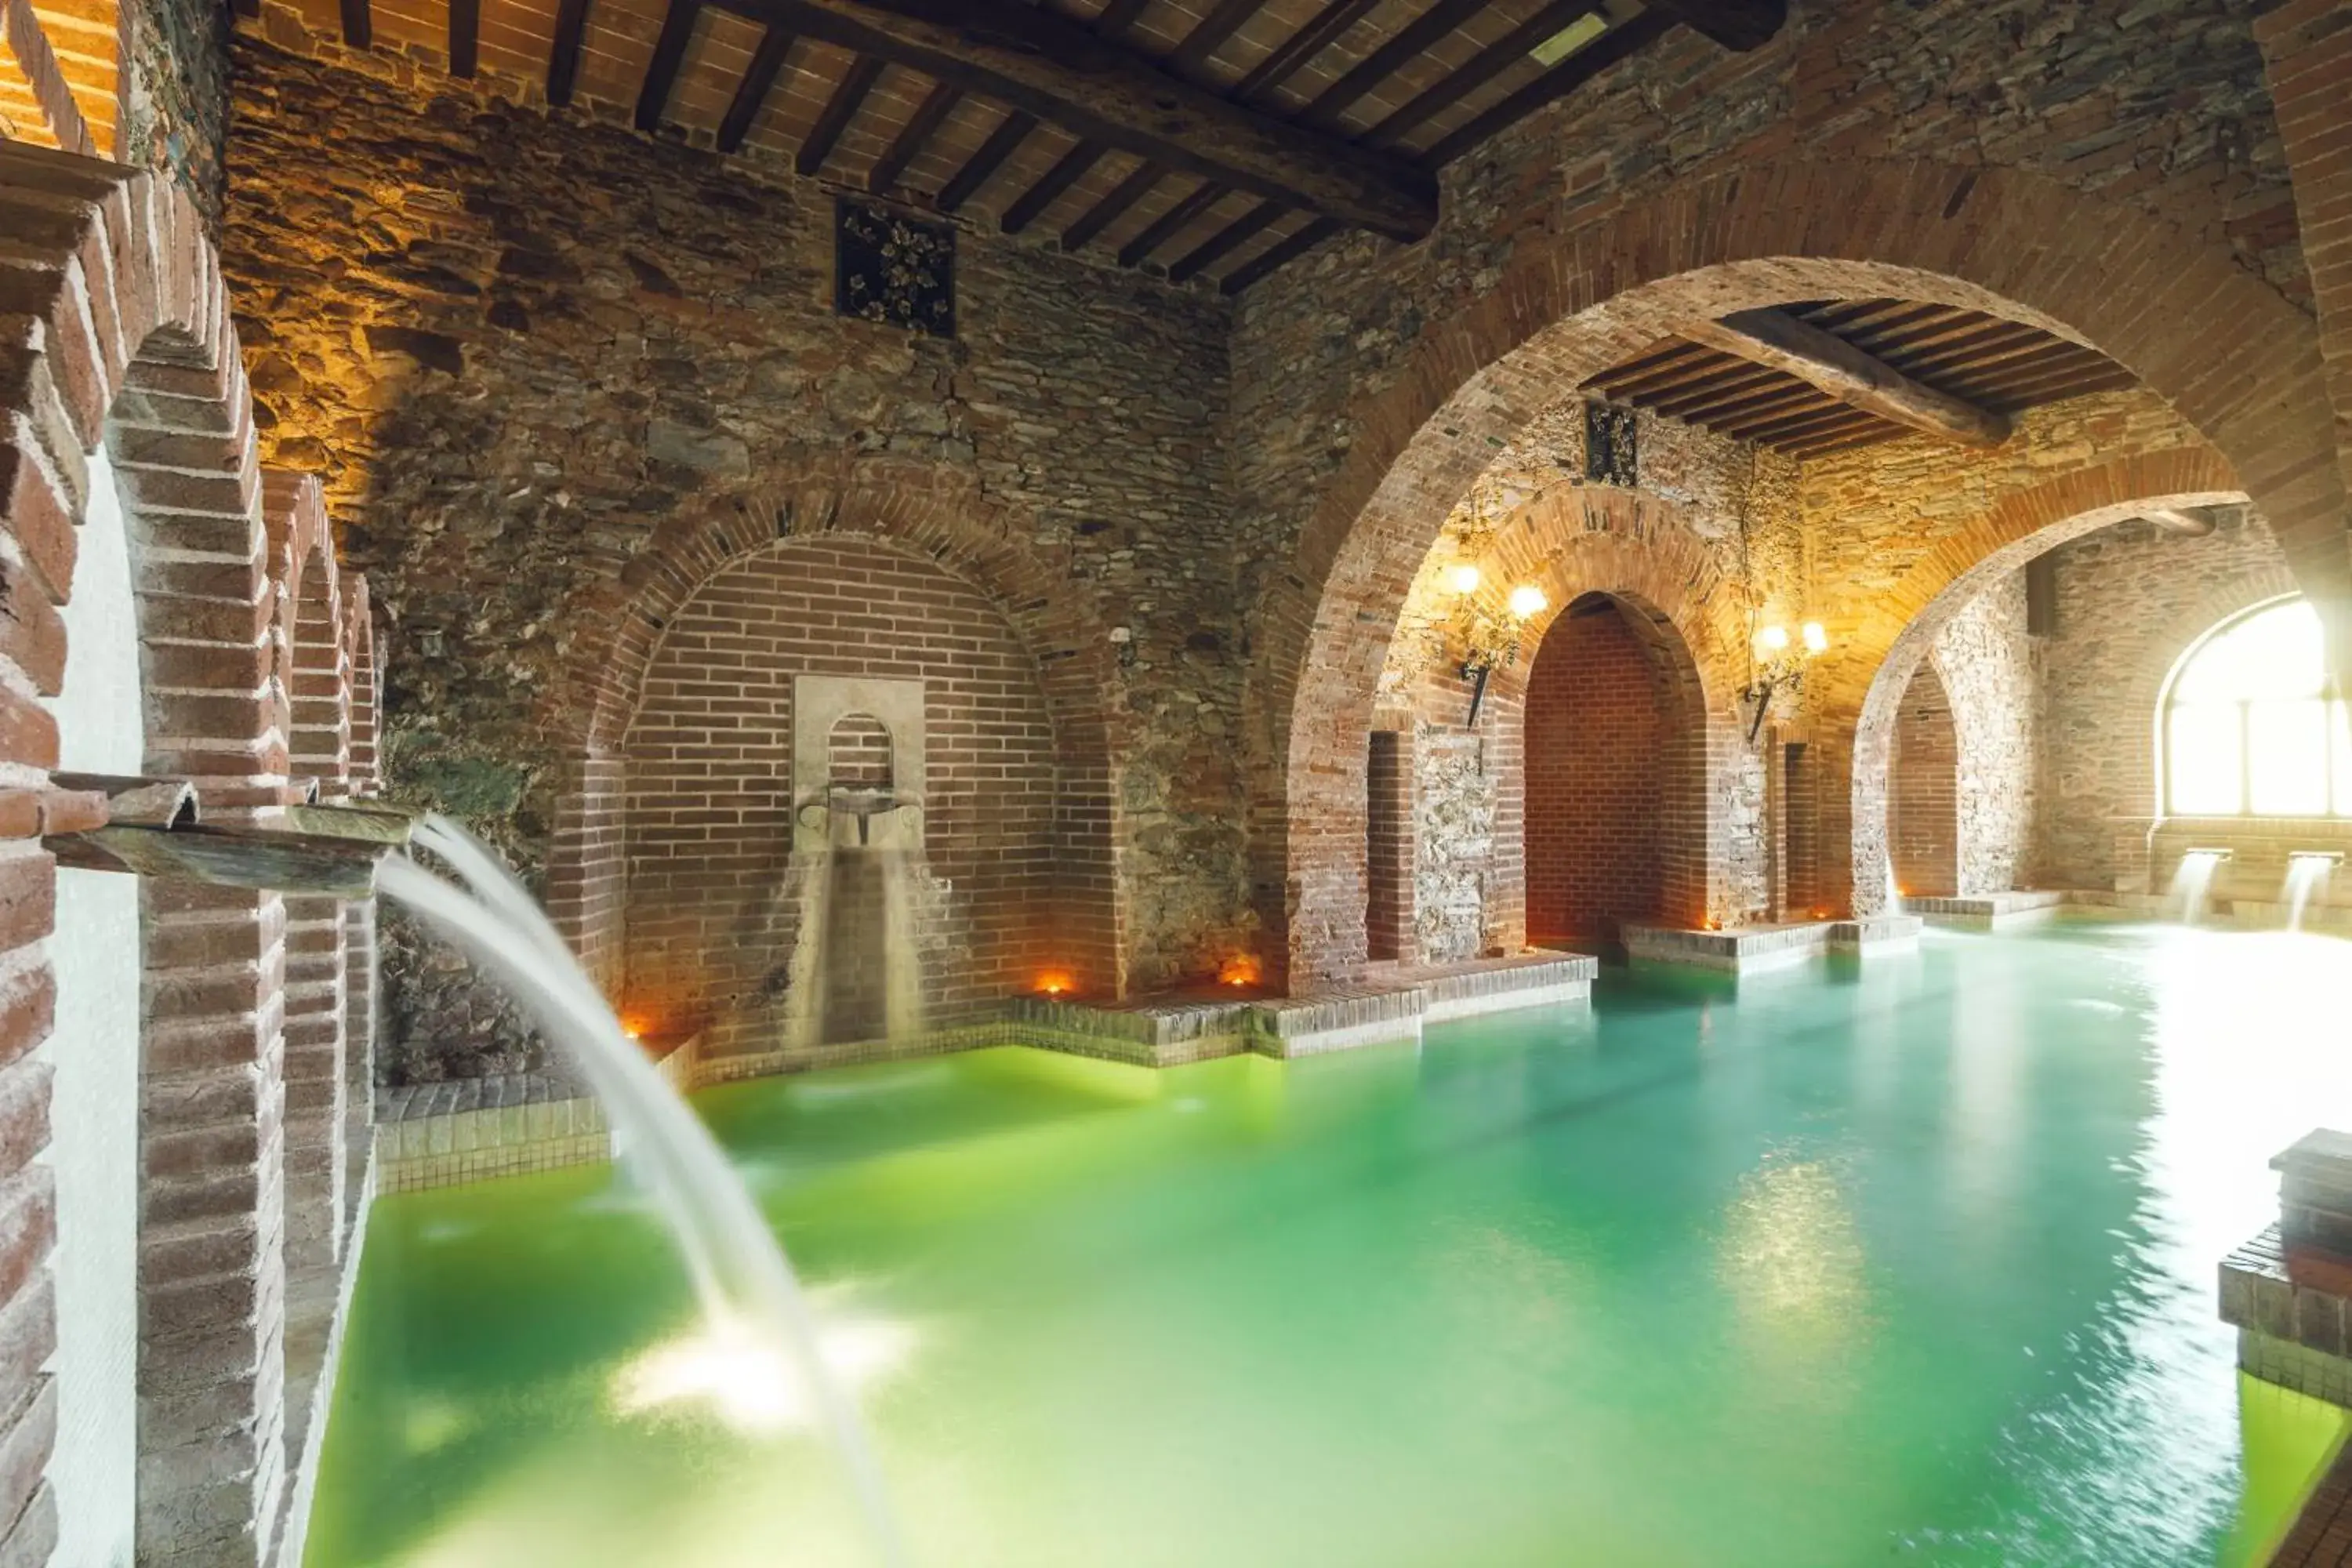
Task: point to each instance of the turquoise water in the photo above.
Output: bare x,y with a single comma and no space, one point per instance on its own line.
1911,1263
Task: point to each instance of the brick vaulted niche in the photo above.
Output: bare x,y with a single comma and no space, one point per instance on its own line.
1615,777
850,568
1771,234
124,342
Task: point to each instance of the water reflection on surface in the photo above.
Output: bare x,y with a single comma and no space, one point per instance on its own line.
1908,1262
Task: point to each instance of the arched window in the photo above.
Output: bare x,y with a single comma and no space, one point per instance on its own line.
2252,725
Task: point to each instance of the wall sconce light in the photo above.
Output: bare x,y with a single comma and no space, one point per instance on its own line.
1489,644
1779,666
1464,579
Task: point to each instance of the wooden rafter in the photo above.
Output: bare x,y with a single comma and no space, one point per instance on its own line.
751,93
1278,255
563,51
669,53
1255,221
1163,228
1106,212
1292,54
929,116
1011,131
1783,342
465,36
1327,107
1045,65
847,98
2187,525
1619,43
1210,35
1481,68
1068,171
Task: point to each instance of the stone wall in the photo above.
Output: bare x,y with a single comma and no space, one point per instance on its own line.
175,98
2131,600
1923,819
1986,663
519,350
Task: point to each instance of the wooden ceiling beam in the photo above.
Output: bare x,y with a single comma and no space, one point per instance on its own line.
1046,65
1106,212
669,53
1783,342
563,51
929,116
1224,241
848,97
465,38
1326,108
1010,133
1292,55
1510,50
1163,228
1277,255
1620,42
1032,203
1210,35
751,93
1741,25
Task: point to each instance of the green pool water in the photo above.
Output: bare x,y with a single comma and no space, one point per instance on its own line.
1908,1263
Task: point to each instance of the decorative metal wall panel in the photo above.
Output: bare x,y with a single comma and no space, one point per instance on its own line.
895,270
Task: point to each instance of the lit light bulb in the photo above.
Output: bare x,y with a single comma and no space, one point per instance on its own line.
1527,600
1816,637
1464,578
1773,639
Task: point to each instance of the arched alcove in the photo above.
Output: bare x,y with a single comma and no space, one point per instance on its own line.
1615,769
1923,828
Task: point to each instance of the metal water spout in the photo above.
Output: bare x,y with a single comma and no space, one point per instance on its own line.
154,827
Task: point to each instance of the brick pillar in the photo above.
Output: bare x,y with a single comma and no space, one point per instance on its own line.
1923,807
1393,847
212,1269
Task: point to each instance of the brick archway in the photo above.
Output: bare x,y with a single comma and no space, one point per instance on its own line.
937,513
2003,241
131,349
1856,694
1636,548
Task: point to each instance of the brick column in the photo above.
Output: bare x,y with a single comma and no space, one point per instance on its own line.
1392,848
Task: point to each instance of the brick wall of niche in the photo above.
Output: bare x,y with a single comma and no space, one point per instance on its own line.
1596,779
1923,821
713,909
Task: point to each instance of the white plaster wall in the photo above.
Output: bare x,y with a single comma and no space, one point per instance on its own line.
94,1114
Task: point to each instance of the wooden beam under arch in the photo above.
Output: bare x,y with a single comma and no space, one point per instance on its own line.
1781,341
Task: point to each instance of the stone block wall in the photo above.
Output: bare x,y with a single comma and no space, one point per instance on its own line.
715,900
524,350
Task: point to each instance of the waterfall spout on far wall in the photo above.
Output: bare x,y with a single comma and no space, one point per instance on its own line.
753,1304
2192,879
2306,880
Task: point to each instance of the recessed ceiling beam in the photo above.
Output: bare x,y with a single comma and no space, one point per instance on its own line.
1042,64
1618,43
669,53
1033,202
1734,23
1277,255
563,53
1224,240
2187,525
1106,212
1162,229
1781,341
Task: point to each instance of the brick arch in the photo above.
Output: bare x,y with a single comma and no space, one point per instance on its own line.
1772,232
1855,694
133,348
937,513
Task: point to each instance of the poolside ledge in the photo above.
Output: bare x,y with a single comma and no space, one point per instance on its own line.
1753,949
